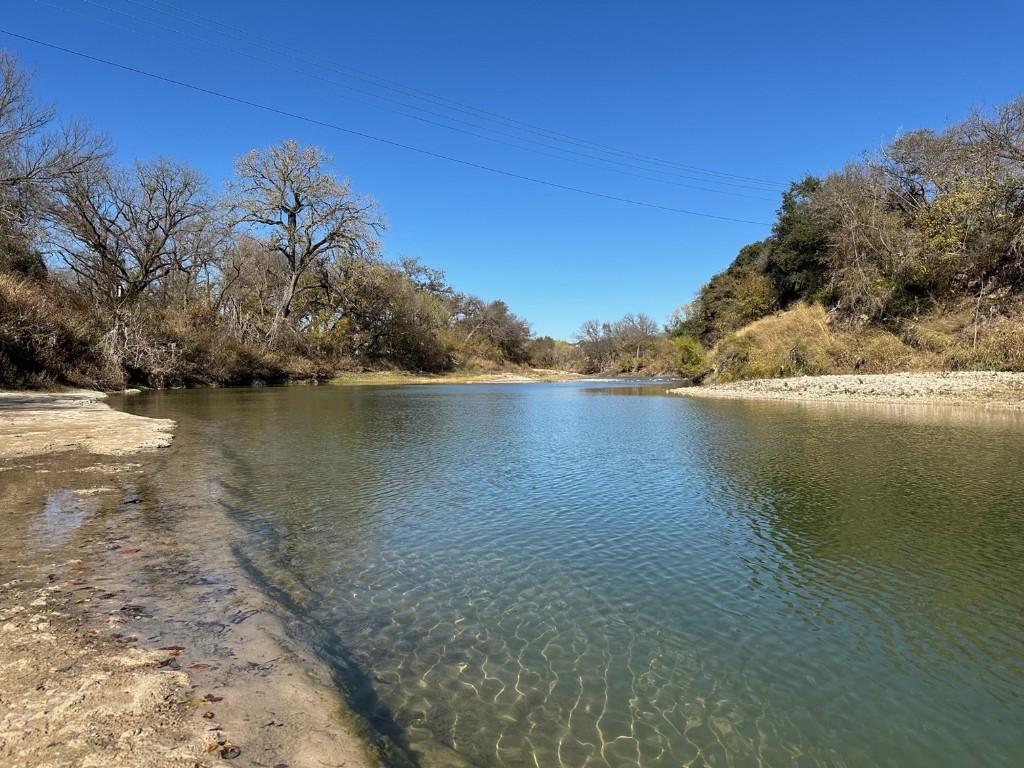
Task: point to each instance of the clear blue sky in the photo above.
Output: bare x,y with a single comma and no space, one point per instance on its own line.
769,91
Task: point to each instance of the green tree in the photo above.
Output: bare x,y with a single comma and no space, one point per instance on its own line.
795,257
490,330
385,312
691,359
548,352
734,297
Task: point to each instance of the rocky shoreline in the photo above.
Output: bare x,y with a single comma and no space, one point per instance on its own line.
975,388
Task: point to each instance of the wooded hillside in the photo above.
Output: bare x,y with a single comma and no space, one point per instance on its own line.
915,255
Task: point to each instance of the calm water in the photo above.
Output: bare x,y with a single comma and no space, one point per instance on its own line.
595,575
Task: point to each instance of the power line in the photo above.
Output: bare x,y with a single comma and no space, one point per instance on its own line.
333,126
417,117
278,65
442,101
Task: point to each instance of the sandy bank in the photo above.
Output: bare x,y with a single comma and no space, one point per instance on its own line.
128,636
504,377
73,696
40,423
988,389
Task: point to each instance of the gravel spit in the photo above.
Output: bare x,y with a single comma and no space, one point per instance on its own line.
982,388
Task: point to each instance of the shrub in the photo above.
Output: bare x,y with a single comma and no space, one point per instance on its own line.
691,360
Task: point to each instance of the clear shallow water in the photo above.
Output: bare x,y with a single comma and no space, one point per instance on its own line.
595,575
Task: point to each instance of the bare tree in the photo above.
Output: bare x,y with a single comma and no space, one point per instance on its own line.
287,195
1004,132
33,147
634,334
626,344
36,153
129,232
244,288
594,338
872,254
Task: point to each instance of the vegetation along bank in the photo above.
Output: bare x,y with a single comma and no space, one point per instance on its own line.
910,258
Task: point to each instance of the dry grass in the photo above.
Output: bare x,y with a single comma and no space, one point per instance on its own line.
970,340
800,341
49,337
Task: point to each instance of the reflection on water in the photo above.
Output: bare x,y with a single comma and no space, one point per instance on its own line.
63,512
44,501
538,575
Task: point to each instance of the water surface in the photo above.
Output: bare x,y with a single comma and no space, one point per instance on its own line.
597,575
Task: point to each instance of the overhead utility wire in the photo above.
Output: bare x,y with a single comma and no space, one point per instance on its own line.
406,90
389,142
393,101
441,125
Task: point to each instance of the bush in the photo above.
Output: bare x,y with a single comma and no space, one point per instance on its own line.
177,348
691,360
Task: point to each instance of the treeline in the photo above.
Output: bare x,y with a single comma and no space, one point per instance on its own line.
633,345
919,247
145,273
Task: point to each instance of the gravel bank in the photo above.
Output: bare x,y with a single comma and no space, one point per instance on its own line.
982,388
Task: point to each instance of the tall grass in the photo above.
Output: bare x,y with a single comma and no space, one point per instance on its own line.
800,341
50,336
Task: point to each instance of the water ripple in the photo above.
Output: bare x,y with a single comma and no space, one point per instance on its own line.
536,576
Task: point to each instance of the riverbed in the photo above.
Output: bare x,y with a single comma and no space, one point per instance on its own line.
128,634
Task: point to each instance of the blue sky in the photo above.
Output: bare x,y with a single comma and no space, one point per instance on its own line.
753,90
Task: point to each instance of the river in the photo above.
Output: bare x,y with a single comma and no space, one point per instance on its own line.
605,575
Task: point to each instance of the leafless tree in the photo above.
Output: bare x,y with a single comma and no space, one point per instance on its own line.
33,147
1003,132
36,153
633,334
129,232
289,198
594,338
